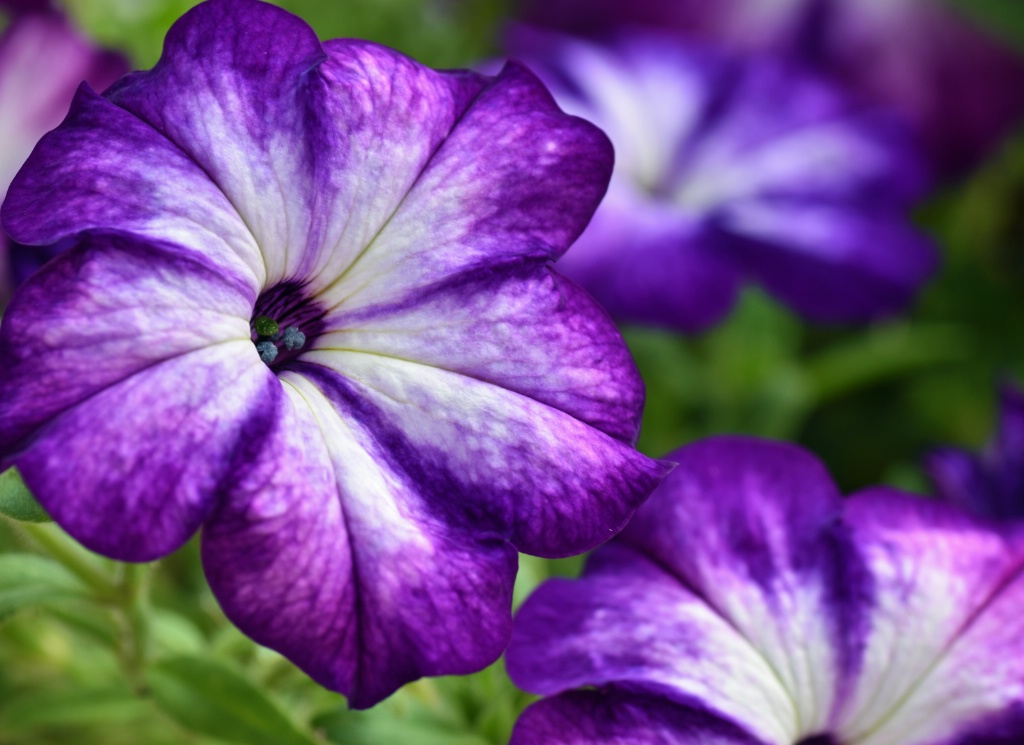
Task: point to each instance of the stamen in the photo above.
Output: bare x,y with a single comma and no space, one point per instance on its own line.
280,312
293,339
267,350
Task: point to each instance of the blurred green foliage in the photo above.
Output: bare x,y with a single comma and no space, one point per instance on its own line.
1003,17
870,401
440,33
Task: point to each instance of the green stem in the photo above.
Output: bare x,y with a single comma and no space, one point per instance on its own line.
129,596
72,558
133,606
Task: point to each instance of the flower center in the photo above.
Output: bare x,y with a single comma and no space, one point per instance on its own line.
270,339
818,740
285,322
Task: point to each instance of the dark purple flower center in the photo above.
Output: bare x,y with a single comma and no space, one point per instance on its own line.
285,322
818,740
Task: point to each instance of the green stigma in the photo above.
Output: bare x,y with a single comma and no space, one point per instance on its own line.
265,326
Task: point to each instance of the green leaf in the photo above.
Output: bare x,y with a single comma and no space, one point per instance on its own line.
379,730
211,698
884,353
71,708
27,580
385,725
17,502
175,633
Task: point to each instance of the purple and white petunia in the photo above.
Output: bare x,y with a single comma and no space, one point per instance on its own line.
730,169
961,88
311,309
749,603
42,61
990,484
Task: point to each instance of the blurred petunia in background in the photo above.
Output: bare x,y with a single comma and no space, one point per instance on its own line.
748,602
43,58
717,184
961,88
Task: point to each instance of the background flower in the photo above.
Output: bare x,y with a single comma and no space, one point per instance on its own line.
42,61
310,307
961,88
731,169
748,602
991,483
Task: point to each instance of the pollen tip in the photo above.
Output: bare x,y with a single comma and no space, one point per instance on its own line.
267,350
293,339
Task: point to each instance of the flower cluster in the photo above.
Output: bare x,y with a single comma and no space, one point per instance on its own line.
316,301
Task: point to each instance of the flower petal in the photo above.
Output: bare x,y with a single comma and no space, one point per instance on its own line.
323,550
232,91
955,586
316,146
489,458
823,145
119,337
385,115
527,330
647,93
753,527
962,480
1005,728
27,6
961,86
603,17
43,60
138,498
832,264
618,717
515,181
990,484
1009,445
102,312
629,621
111,171
648,263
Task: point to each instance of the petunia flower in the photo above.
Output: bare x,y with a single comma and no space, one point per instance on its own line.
42,61
310,308
749,603
960,87
990,484
732,169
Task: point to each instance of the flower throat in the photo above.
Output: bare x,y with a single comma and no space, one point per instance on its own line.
285,322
